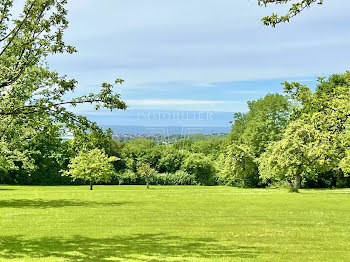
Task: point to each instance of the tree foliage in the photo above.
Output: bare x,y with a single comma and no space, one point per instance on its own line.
32,95
345,163
239,167
171,161
265,121
295,9
200,166
26,83
146,172
316,142
93,166
292,158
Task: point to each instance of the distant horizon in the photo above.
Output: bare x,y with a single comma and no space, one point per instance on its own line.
173,118
167,130
174,55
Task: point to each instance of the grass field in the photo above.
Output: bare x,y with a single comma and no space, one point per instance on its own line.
130,223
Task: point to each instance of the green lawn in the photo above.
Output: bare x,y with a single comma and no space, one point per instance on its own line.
130,223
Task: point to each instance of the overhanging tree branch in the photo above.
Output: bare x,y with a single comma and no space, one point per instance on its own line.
294,10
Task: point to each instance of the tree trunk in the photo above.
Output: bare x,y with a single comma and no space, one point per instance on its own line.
91,184
334,181
147,184
297,184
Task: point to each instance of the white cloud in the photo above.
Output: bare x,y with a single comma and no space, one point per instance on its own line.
196,44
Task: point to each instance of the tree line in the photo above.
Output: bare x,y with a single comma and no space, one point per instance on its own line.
300,138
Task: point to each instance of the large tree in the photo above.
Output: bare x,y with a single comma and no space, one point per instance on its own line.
251,133
293,157
265,121
29,90
27,85
237,166
328,111
317,141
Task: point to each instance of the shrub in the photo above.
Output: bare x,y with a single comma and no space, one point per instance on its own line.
127,177
180,177
201,167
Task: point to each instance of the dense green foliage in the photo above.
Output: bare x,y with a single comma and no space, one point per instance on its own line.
300,139
200,166
33,98
197,224
179,178
292,157
237,166
93,166
251,133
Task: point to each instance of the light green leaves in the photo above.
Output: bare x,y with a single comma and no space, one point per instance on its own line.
93,166
145,170
317,141
294,10
293,155
31,93
238,166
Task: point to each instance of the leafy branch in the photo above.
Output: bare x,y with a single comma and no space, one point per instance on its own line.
294,10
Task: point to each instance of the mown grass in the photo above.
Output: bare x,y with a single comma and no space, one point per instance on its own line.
130,223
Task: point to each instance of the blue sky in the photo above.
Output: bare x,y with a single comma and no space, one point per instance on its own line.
199,55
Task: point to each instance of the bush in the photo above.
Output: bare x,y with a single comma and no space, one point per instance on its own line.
127,177
201,167
237,167
171,161
180,177
183,178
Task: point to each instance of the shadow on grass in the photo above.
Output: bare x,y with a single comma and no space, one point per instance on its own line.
6,189
144,247
337,191
41,203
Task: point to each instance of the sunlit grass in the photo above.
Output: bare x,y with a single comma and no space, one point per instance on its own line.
130,223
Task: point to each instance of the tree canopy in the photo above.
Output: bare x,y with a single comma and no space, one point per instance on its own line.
27,85
31,94
291,158
317,140
145,171
265,122
93,166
